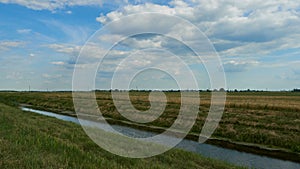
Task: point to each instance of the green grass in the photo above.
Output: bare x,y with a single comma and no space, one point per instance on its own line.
29,140
270,119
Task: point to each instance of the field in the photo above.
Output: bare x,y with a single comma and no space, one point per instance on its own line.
29,140
266,119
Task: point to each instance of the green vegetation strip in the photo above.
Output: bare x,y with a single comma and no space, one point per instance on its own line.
29,140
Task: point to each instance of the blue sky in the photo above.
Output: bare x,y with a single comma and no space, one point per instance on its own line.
257,41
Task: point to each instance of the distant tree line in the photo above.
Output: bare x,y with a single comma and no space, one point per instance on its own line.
177,90
296,90
193,90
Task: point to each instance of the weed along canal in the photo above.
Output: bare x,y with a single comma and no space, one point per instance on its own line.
248,160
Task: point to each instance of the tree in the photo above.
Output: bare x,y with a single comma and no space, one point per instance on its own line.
221,90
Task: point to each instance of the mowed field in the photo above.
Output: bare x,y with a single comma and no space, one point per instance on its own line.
267,119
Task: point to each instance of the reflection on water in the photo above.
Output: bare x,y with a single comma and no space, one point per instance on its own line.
232,156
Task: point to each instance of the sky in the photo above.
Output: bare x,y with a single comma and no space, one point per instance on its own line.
258,43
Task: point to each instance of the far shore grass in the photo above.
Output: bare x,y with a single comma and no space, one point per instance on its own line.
271,119
29,140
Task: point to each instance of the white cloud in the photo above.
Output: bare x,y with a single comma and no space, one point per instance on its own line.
144,61
247,49
65,48
132,9
52,4
58,63
245,26
24,31
5,45
155,42
238,66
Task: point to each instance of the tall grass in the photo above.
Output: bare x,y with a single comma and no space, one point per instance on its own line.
29,140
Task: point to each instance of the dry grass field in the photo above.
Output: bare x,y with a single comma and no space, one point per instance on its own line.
270,119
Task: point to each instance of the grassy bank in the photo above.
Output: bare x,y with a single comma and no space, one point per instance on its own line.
29,140
271,119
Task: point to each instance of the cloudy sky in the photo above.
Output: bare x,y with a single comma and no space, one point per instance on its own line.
257,41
